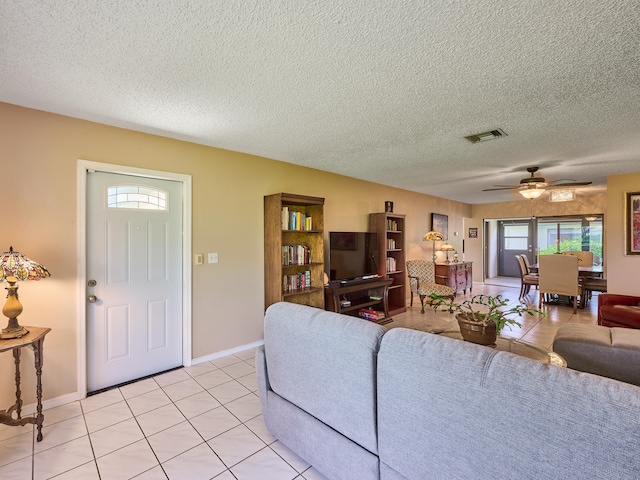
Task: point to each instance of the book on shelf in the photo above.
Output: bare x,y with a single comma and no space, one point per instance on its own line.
296,282
292,220
391,264
295,255
391,244
392,225
370,314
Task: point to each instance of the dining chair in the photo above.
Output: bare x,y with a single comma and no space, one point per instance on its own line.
526,279
528,265
591,285
422,281
558,275
584,258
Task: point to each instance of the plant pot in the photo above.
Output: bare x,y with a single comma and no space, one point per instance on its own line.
477,332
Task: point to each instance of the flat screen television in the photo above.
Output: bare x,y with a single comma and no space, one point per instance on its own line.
353,256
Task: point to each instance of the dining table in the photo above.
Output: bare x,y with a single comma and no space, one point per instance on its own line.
583,270
587,272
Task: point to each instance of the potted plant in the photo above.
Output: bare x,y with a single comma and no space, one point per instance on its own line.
482,317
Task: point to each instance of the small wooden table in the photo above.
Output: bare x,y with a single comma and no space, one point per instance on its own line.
34,340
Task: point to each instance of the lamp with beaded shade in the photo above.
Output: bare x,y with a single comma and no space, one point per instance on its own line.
13,267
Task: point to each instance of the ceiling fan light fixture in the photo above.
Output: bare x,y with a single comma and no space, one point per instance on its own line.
531,193
562,196
486,136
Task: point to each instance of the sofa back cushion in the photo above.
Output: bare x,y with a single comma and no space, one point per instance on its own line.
451,409
325,363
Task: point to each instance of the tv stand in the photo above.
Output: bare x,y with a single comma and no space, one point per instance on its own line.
371,294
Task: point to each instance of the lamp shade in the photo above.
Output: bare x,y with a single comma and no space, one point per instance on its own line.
433,236
531,193
446,248
14,264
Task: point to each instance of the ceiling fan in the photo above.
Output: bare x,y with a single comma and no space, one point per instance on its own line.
533,187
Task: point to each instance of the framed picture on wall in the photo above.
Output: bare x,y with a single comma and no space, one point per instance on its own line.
440,223
473,232
632,223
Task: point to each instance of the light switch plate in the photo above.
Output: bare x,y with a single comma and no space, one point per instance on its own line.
198,258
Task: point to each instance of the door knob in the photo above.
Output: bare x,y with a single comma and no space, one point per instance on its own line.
92,298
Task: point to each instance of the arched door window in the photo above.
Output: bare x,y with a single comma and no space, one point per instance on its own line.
137,197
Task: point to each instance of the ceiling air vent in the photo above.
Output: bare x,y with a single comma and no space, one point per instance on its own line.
485,136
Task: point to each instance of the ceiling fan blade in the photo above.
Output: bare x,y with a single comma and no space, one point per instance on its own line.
501,188
564,185
563,180
506,186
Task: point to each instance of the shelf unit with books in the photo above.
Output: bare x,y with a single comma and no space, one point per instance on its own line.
367,299
390,228
294,249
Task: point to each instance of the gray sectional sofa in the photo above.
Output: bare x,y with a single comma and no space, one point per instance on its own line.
358,401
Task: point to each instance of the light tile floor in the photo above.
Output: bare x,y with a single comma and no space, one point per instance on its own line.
199,422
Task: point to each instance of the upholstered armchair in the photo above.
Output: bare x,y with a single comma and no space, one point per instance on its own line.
422,281
615,310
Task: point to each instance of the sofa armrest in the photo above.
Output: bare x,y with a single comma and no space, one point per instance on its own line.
617,299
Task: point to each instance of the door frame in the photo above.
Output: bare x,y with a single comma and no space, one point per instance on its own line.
83,166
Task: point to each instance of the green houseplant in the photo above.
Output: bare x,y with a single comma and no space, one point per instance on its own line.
482,317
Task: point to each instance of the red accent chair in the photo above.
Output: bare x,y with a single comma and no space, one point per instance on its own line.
616,310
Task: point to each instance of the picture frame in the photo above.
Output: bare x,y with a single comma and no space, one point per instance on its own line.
473,232
440,223
632,223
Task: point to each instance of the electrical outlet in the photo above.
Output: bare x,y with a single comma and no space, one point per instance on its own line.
213,258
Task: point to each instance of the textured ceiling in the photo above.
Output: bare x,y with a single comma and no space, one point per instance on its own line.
382,91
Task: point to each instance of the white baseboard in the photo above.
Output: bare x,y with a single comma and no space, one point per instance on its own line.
224,353
52,403
72,397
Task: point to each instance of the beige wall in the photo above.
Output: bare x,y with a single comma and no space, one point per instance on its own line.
585,203
623,271
39,220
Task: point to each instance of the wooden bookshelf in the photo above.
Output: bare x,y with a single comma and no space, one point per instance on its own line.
278,234
390,228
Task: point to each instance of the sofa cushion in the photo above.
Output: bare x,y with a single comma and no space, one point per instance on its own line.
628,315
325,363
451,409
610,352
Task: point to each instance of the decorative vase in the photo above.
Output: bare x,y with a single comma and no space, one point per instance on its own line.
477,332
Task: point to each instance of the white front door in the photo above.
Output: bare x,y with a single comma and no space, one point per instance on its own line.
134,273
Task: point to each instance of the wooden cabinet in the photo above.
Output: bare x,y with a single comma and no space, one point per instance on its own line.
390,228
293,249
459,275
369,295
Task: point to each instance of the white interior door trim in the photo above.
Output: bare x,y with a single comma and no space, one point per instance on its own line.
81,175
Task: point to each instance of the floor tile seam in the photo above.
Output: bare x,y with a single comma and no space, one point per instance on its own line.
229,467
32,445
58,475
145,472
287,462
241,376
207,390
204,442
125,446
57,445
230,379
